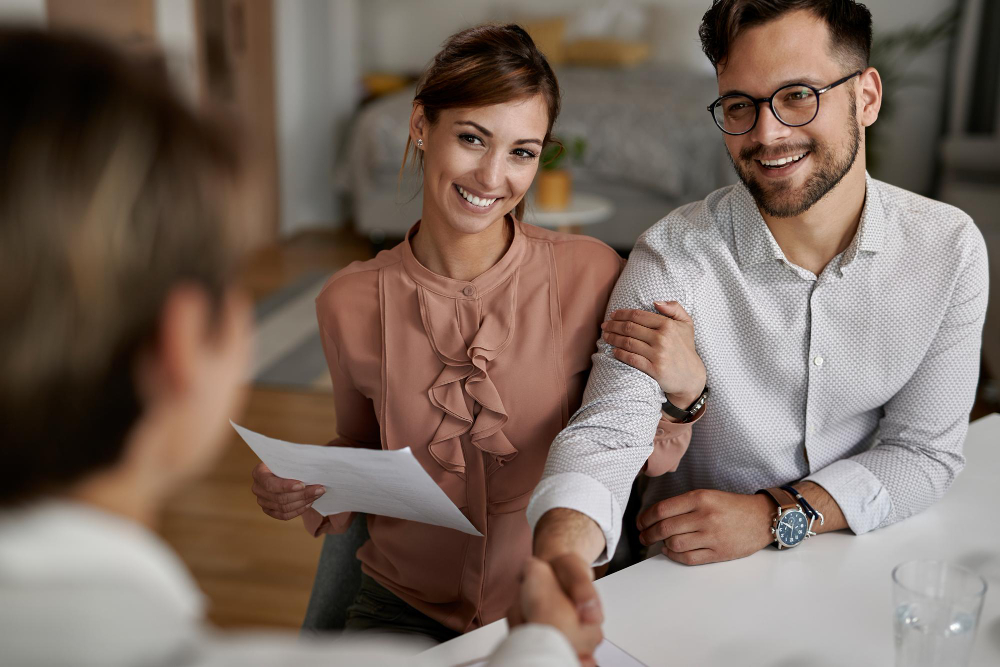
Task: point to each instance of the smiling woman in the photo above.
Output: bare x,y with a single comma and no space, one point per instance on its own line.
482,67
469,343
478,162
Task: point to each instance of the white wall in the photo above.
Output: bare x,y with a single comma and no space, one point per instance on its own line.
912,136
317,78
174,28
401,35
175,32
30,12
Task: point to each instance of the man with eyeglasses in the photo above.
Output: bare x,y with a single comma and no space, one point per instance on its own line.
836,318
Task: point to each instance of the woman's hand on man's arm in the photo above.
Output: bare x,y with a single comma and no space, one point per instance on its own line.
661,346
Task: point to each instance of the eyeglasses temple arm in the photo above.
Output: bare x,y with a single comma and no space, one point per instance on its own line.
837,83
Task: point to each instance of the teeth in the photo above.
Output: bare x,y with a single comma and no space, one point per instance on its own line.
781,161
476,201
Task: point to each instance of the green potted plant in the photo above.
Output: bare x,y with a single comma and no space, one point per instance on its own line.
555,182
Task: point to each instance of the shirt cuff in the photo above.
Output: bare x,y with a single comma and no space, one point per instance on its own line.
861,496
534,645
669,445
584,494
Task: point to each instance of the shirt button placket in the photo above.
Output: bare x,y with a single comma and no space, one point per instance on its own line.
816,361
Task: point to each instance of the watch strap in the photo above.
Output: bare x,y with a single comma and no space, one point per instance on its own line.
784,499
809,510
685,414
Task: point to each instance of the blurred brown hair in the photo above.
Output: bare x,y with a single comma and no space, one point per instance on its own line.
850,25
113,193
481,66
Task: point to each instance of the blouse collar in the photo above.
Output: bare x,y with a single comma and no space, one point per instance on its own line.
459,289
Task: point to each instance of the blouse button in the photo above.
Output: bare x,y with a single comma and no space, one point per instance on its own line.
469,290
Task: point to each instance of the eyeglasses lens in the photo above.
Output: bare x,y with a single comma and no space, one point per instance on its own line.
793,105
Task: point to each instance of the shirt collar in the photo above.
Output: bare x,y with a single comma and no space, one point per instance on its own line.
755,244
871,230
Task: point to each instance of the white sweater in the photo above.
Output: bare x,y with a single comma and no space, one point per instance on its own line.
79,586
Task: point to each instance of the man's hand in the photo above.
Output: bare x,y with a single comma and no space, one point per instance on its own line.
570,541
705,526
661,346
576,578
542,599
282,498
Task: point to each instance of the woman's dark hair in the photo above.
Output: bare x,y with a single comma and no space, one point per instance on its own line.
112,195
485,65
850,25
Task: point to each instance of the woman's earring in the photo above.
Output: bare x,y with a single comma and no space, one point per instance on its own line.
420,143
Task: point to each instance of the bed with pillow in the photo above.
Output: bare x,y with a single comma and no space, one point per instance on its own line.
635,87
651,146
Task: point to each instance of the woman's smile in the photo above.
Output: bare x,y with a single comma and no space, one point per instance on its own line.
474,201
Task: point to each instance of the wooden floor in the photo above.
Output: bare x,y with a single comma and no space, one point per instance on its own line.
275,266
258,571
255,570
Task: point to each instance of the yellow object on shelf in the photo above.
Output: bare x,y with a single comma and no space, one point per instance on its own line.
382,83
606,52
547,34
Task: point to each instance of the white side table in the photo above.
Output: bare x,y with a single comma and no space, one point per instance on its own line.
583,209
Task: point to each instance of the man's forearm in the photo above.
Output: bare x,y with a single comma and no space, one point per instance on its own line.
562,531
823,502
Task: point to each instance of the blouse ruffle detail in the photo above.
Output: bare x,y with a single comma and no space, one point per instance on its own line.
463,390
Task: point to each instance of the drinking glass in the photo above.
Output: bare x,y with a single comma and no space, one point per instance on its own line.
937,611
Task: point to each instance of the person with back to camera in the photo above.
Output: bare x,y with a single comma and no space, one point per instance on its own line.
124,342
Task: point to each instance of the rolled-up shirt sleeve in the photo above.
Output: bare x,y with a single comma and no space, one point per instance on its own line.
594,460
918,451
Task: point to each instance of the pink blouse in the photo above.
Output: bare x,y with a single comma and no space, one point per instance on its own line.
476,378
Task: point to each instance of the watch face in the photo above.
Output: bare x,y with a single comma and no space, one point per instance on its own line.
792,527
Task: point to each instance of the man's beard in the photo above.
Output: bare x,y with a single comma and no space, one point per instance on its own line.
780,200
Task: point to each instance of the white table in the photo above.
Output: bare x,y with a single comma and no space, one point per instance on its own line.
583,209
825,603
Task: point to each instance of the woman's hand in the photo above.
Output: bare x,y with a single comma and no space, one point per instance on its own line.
661,346
282,498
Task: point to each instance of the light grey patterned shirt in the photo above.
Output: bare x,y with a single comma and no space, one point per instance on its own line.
860,379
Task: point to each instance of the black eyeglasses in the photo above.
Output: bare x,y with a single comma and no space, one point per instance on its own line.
793,105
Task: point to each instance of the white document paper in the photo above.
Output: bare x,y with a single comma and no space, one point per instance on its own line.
605,655
611,655
389,483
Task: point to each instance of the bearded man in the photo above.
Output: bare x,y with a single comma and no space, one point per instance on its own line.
836,318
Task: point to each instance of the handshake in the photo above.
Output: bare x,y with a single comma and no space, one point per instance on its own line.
561,593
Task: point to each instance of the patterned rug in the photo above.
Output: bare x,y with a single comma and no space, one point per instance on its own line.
287,350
